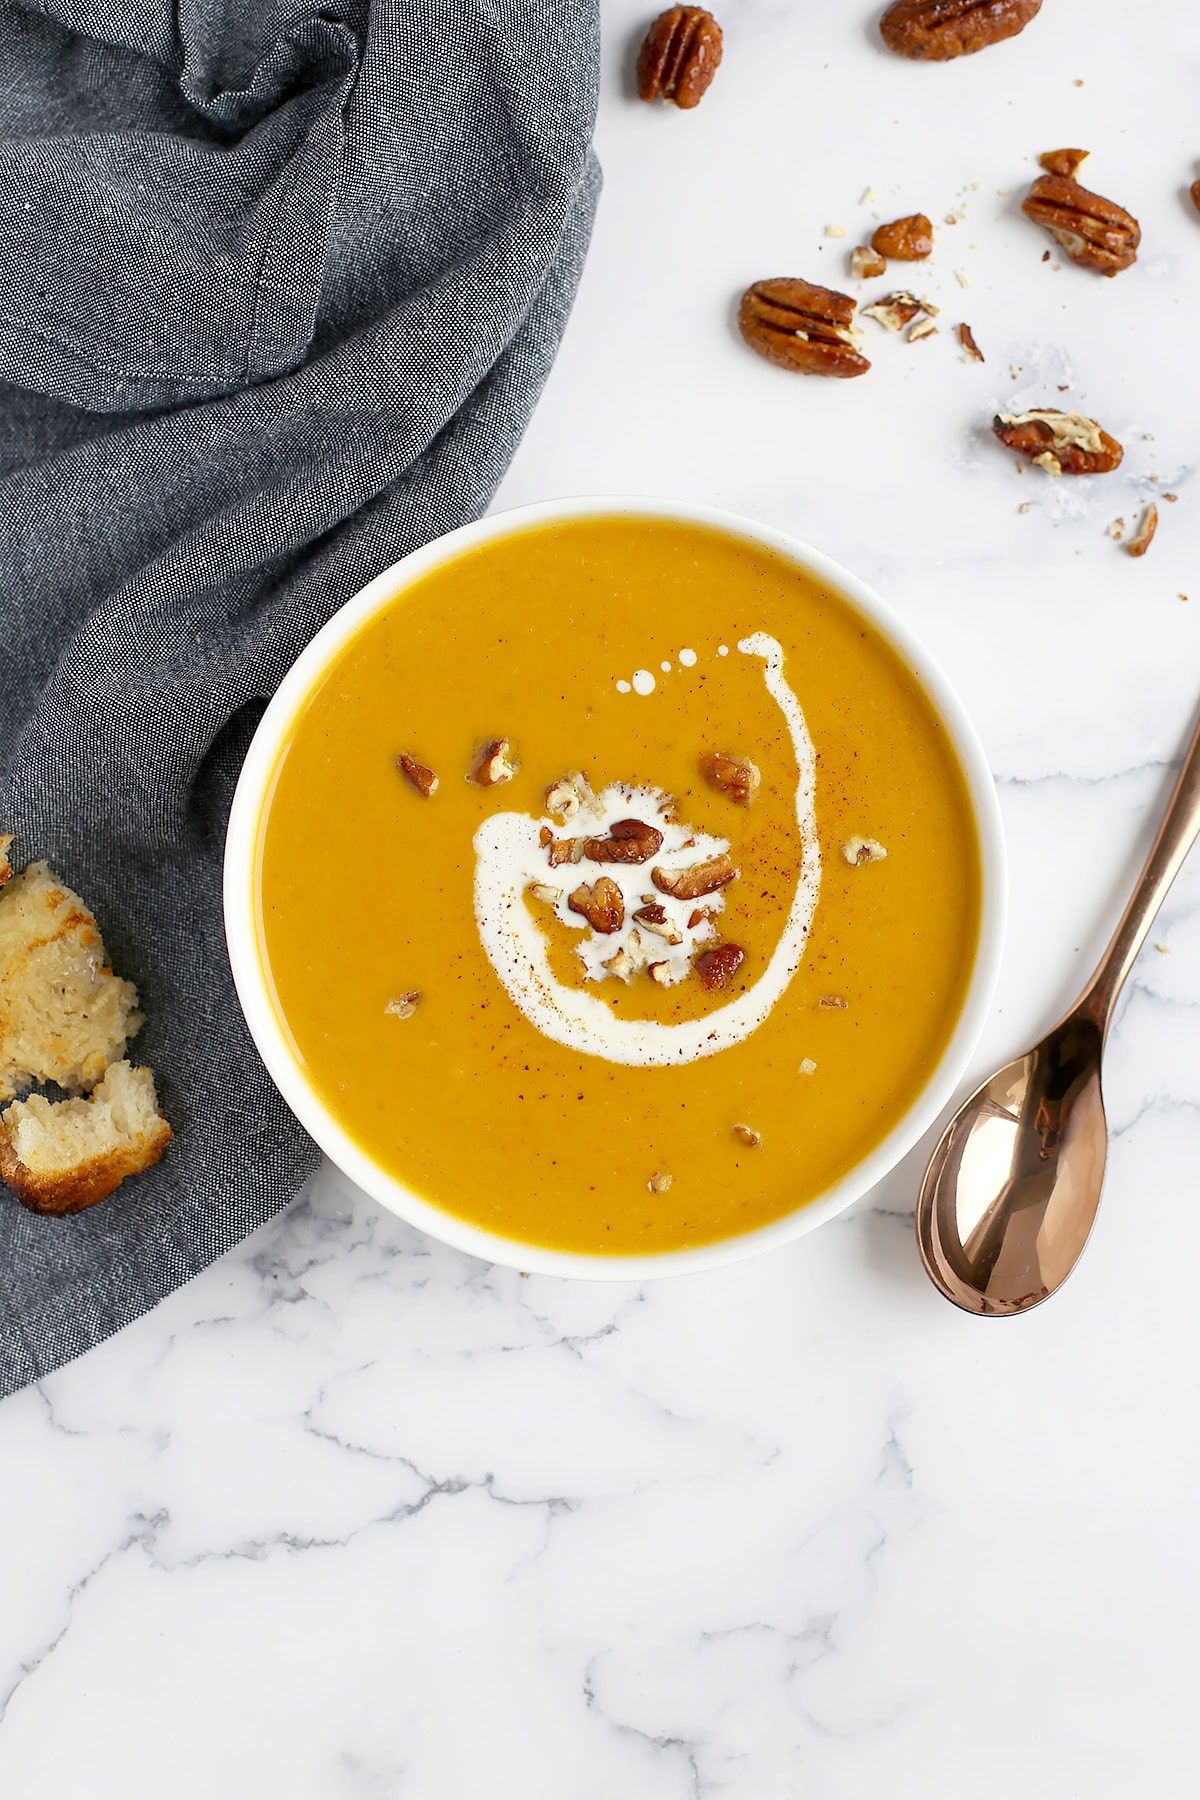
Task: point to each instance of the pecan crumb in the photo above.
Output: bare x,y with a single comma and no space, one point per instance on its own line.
697,880
866,264
1063,162
423,779
834,1002
1139,543
734,776
659,1183
404,1005
808,1066
859,850
746,1134
549,895
966,338
601,905
661,972
923,328
717,967
495,764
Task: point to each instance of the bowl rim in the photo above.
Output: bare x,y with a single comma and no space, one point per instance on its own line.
282,1057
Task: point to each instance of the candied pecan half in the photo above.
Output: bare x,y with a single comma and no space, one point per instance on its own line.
679,56
601,905
1063,162
699,879
799,326
1095,233
1194,191
937,30
628,841
423,779
734,776
494,764
718,966
1064,443
905,240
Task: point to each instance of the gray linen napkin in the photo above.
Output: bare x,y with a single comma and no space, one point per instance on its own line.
279,285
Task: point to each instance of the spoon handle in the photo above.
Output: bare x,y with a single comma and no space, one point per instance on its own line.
1176,835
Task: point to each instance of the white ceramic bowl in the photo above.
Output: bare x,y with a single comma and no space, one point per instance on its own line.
249,972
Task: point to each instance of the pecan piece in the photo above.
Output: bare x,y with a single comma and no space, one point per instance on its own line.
1064,443
494,764
654,918
404,1005
1063,162
937,30
1094,232
905,240
1140,542
423,779
549,896
966,338
601,905
565,850
679,56
746,1134
734,776
1194,191
866,263
697,880
860,850
628,841
718,966
798,326
565,797
659,1183
894,311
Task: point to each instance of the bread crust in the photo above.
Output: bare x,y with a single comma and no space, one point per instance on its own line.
73,1191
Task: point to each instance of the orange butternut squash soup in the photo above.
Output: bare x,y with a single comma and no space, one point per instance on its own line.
619,886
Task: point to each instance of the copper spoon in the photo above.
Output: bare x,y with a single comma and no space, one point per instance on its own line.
1012,1189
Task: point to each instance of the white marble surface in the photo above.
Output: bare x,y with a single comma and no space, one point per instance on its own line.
355,1516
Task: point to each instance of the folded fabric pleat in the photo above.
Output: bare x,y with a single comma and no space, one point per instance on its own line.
278,290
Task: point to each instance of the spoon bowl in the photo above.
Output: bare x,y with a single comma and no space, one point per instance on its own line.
1011,1192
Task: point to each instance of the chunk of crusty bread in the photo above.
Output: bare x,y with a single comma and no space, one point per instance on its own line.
64,1015
61,1156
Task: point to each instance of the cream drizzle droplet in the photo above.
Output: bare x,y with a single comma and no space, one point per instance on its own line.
623,687
643,682
688,658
